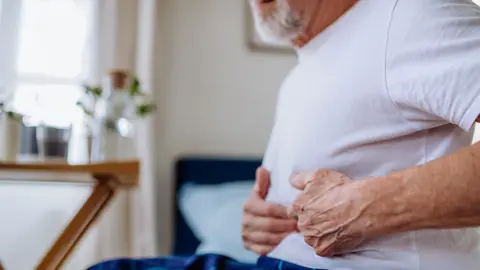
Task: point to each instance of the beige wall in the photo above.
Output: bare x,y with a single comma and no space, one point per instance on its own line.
215,96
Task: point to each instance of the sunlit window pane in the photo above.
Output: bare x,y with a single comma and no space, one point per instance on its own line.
52,104
52,38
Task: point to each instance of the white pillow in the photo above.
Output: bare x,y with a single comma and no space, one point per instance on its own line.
214,213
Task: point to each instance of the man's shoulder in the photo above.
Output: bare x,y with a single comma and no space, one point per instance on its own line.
416,22
413,12
433,5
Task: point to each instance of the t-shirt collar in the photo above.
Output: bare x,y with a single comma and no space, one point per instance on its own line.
313,45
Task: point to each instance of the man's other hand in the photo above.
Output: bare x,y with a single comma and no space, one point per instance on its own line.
264,224
332,213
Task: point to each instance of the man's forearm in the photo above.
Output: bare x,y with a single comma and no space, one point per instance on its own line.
442,194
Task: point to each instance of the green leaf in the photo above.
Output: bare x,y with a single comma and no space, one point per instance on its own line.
135,88
90,90
97,91
144,110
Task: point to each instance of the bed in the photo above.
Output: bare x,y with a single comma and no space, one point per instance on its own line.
205,171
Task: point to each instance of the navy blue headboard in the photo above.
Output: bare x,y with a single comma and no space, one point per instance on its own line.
205,170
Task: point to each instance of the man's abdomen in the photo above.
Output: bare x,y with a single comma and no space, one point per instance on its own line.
450,249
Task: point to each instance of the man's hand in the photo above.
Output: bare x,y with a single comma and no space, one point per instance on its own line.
332,214
265,224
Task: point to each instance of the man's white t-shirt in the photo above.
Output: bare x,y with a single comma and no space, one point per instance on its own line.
392,84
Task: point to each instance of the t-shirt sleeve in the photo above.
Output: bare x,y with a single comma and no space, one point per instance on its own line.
433,61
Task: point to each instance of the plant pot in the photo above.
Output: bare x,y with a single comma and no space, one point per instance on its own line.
9,138
52,142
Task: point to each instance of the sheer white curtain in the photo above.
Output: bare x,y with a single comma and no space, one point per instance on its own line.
123,37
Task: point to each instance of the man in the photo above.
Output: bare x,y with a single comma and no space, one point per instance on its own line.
369,164
382,87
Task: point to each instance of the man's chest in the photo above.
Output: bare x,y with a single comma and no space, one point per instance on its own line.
326,111
321,103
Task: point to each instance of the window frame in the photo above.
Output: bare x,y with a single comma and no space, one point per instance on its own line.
10,20
10,77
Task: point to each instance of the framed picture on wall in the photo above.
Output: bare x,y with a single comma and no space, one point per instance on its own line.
255,42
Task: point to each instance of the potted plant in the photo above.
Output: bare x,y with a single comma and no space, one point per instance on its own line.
122,125
143,107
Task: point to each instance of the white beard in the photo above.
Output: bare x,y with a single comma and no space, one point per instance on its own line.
280,28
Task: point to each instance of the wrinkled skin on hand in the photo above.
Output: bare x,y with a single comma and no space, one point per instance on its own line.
332,213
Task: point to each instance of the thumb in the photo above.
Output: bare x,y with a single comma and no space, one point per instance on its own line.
262,182
300,180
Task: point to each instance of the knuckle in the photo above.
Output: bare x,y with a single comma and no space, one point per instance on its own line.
270,224
297,206
307,222
324,251
244,236
247,206
310,241
270,210
320,252
320,173
246,220
303,227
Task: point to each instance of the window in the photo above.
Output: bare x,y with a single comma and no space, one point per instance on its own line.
46,44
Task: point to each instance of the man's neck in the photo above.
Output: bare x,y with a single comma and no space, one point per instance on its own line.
326,13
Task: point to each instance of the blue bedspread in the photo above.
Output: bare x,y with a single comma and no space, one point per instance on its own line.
203,262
